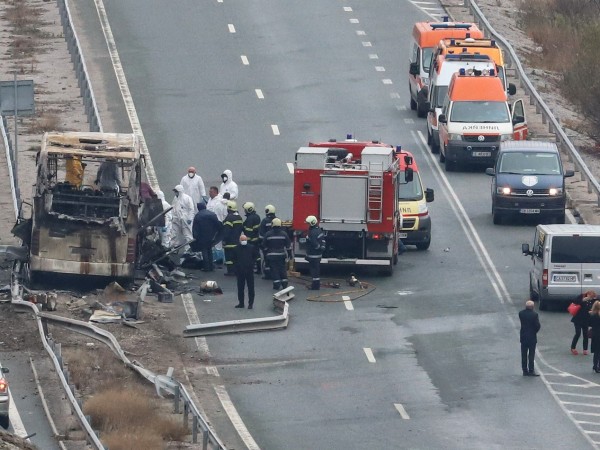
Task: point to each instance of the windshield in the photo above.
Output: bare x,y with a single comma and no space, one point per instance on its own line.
411,190
438,96
427,52
480,112
529,163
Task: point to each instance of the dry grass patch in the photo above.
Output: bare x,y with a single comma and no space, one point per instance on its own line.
45,121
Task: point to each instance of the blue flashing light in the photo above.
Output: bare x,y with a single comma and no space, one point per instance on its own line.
348,136
493,42
492,72
452,42
398,149
446,19
462,71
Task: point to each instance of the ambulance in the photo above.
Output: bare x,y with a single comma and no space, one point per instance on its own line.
425,38
475,118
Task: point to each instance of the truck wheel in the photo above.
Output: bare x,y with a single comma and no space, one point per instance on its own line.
4,422
424,245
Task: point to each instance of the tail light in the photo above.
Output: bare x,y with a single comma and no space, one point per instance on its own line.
130,250
545,277
35,242
3,386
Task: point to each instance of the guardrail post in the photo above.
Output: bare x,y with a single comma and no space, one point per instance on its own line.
195,429
186,411
176,400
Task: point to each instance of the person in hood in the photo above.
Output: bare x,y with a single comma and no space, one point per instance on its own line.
108,177
228,185
183,215
165,232
205,229
217,205
194,186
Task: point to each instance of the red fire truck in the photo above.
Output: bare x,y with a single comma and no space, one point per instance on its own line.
352,189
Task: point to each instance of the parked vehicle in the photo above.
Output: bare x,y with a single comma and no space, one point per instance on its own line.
528,180
475,118
4,398
413,198
565,262
352,188
441,74
425,37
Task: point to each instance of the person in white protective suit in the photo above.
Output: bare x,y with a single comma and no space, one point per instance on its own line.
217,204
183,215
165,232
194,186
228,185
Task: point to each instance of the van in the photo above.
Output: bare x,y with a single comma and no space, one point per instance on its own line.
476,118
425,37
413,199
441,74
566,262
528,180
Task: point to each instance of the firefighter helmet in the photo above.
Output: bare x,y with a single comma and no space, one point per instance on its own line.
249,207
276,222
231,205
311,220
269,209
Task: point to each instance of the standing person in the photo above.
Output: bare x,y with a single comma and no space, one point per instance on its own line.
265,227
74,171
314,251
194,186
595,325
251,229
216,205
530,325
165,232
228,185
581,320
277,246
205,229
108,177
232,229
183,215
244,258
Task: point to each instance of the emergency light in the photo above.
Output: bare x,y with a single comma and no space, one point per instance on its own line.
492,72
462,71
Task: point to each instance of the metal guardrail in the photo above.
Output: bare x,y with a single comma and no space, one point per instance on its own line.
537,101
11,166
85,87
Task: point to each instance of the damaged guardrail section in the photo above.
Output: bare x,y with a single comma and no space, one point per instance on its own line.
537,101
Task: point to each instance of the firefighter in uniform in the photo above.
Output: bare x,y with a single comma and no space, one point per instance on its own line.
277,247
251,229
314,251
265,227
232,229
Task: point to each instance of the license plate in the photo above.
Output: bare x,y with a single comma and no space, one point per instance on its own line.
302,240
529,211
402,235
482,154
564,278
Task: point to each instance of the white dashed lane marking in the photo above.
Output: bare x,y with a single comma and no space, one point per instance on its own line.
401,411
231,28
347,9
275,129
369,353
259,93
373,56
367,44
387,81
347,303
354,21
245,60
361,33
380,68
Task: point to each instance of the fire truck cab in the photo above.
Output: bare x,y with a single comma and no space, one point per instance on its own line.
352,189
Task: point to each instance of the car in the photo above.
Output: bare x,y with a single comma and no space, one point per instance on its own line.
4,398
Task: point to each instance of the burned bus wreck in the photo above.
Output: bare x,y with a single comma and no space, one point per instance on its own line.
85,205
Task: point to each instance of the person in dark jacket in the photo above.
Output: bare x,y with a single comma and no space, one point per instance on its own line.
251,230
530,325
205,229
314,251
244,259
595,326
581,320
277,247
232,229
265,227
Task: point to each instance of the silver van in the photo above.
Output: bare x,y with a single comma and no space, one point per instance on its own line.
566,262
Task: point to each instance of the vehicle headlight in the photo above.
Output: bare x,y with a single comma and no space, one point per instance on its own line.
455,137
503,190
423,208
555,191
506,137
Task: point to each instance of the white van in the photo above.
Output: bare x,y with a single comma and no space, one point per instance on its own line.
566,262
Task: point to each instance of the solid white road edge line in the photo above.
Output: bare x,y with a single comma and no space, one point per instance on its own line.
235,418
369,353
402,411
15,418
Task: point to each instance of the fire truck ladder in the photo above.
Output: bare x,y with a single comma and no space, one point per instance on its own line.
375,197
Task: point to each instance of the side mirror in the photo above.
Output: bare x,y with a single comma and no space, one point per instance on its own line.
490,171
408,174
518,119
569,173
413,69
512,89
5,370
525,249
442,118
408,160
428,195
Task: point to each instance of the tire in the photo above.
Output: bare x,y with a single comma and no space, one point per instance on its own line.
496,218
424,245
543,303
450,166
413,104
532,294
435,148
389,270
4,422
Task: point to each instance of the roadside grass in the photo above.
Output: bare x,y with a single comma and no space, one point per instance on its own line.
568,32
45,121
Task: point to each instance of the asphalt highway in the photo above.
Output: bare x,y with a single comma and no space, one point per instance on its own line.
431,358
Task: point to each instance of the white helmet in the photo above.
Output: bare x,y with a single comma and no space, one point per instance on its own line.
276,222
311,220
249,207
269,209
231,205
